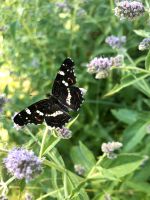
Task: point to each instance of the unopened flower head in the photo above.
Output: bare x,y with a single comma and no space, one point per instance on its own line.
22,163
3,198
62,5
3,100
116,42
145,44
28,196
110,147
129,10
79,169
64,133
107,197
117,61
99,64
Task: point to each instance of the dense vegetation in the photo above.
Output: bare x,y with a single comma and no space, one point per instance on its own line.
35,37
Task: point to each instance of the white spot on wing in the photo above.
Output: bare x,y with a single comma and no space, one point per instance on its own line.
39,112
65,83
28,111
61,73
54,114
68,99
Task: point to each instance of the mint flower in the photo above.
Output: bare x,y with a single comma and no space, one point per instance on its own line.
129,10
64,133
22,163
116,42
99,64
145,44
110,147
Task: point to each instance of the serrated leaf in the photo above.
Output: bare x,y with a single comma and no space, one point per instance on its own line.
82,155
122,165
125,115
142,33
139,186
134,134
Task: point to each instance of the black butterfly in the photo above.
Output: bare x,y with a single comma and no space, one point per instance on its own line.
54,109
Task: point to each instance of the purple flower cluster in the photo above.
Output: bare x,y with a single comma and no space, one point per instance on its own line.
115,42
22,163
110,147
100,66
129,10
145,44
64,133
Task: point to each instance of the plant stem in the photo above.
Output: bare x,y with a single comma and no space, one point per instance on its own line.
43,142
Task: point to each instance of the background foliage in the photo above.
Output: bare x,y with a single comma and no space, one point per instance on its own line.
35,37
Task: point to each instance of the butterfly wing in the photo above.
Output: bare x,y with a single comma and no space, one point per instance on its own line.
63,88
48,110
33,114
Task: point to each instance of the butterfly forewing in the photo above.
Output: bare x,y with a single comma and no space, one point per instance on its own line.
63,88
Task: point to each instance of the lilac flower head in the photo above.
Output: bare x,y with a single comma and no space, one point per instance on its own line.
129,10
145,44
117,61
110,147
115,42
99,64
22,163
79,169
64,133
3,100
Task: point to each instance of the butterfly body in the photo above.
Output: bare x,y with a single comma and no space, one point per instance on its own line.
54,109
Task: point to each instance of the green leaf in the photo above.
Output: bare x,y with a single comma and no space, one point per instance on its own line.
125,115
127,81
147,61
82,155
121,166
142,33
134,134
139,186
68,187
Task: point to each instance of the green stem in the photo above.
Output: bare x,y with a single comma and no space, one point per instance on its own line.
7,183
34,138
43,142
4,150
50,194
51,146
130,59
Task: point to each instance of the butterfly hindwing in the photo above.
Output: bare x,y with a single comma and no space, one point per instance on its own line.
48,110
63,88
33,114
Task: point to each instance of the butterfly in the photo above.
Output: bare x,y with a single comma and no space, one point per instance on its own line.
54,110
